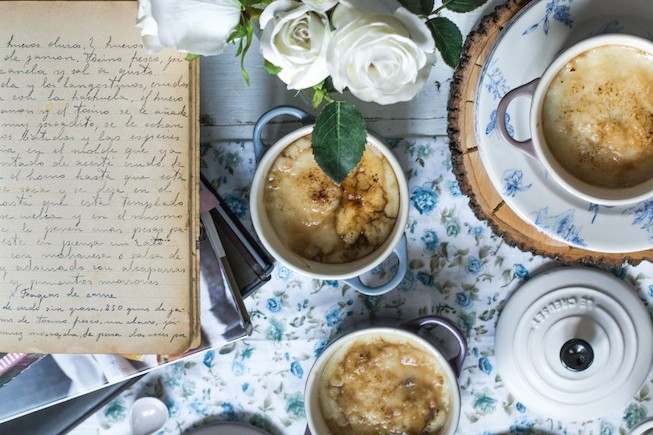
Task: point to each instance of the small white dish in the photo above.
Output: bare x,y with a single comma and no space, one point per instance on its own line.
525,48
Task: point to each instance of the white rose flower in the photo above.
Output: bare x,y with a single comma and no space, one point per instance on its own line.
295,38
149,29
192,26
379,50
321,5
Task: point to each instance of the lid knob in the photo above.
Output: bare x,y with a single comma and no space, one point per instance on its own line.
576,355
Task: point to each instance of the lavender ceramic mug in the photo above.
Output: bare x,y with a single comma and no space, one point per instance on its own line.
383,365
591,119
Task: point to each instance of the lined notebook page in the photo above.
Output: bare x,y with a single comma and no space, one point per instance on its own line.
98,184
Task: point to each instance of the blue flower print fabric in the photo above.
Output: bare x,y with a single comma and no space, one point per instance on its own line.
458,269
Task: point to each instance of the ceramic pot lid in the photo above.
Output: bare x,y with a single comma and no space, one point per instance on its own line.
574,343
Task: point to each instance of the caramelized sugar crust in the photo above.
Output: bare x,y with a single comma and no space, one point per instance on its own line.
325,222
598,116
376,386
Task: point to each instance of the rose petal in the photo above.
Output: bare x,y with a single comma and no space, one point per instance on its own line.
321,5
295,38
274,8
419,33
344,14
375,57
149,28
196,26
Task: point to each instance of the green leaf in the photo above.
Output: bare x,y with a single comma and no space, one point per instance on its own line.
318,95
249,28
244,34
464,5
448,39
271,68
418,7
249,3
338,140
643,393
328,86
321,93
240,31
227,349
191,56
255,4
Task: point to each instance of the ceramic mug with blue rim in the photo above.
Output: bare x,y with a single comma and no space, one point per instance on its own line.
350,271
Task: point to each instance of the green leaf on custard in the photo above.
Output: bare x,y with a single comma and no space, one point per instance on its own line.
338,139
448,39
191,56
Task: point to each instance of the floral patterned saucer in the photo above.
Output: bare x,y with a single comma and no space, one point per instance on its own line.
522,52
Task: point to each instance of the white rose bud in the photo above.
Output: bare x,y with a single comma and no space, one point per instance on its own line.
295,38
192,26
379,50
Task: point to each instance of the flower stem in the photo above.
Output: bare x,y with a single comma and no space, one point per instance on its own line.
444,4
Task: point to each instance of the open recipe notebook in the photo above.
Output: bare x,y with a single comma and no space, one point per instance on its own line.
98,184
100,241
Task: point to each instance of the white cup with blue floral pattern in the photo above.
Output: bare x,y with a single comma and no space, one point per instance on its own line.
288,238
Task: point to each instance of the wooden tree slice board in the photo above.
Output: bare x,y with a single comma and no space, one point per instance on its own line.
485,201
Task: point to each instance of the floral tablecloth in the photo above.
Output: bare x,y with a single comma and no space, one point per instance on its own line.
458,268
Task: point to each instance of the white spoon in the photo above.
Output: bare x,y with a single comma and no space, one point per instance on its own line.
147,415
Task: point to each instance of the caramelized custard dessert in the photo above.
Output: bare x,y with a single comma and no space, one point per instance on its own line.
375,386
325,222
598,116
